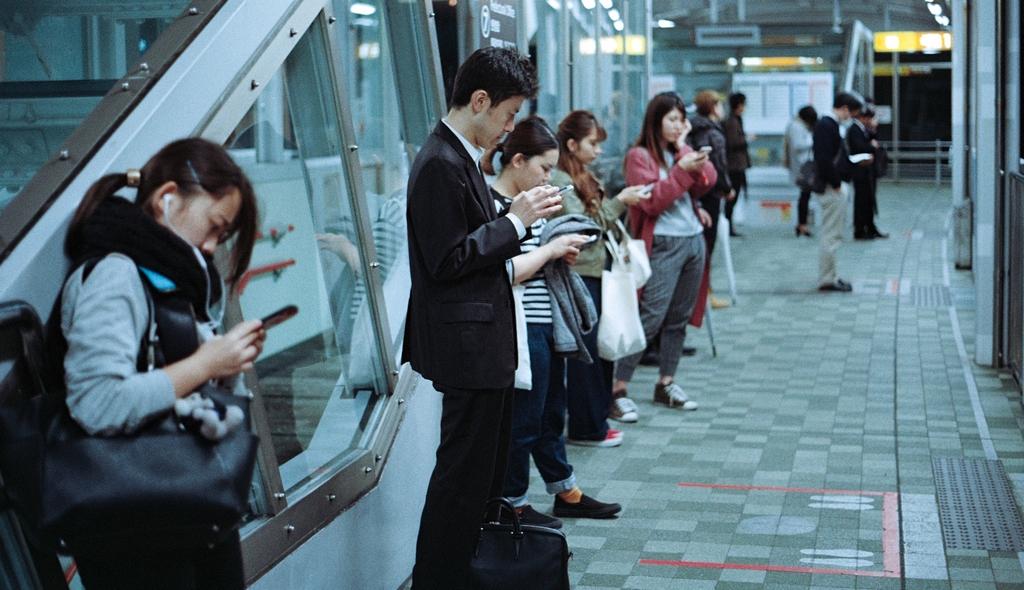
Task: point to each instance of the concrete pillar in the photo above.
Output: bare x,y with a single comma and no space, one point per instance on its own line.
984,178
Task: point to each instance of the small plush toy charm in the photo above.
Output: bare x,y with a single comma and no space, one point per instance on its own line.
213,421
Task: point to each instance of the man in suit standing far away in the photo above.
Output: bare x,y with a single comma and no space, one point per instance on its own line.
460,330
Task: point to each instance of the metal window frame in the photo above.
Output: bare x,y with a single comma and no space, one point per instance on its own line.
123,117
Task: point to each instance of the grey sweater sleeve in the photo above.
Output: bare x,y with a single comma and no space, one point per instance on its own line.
103,321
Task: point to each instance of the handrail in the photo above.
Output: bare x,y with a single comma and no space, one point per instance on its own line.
937,151
75,153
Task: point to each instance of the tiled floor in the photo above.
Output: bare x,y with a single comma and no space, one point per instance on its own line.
809,462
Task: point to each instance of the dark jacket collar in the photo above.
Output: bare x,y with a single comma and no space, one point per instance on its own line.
478,186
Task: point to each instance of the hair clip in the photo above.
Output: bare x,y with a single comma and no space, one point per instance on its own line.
133,177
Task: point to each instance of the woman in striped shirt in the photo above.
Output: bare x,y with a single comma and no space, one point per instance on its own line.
528,155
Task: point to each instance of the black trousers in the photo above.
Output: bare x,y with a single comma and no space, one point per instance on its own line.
712,203
863,204
802,206
470,469
739,184
219,568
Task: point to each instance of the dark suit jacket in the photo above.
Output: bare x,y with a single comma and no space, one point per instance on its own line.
827,143
460,331
859,142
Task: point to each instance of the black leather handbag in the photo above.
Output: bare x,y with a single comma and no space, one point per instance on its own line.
160,487
519,556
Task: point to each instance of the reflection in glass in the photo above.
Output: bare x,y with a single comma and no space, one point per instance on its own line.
320,374
377,119
56,66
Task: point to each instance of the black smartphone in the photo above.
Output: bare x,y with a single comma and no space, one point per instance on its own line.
285,313
565,189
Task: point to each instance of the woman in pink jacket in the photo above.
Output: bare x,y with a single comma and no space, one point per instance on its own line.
672,224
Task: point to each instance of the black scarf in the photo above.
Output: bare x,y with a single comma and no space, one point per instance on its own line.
118,225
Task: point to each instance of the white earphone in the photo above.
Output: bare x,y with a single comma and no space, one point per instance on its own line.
167,202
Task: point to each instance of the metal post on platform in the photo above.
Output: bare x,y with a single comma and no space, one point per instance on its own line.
938,162
896,116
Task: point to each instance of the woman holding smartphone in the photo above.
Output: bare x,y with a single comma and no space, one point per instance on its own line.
590,385
528,155
672,224
191,197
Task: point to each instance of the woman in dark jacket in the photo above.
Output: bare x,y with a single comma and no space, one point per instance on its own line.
708,133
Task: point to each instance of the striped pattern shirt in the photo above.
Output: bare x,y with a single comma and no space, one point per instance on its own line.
536,299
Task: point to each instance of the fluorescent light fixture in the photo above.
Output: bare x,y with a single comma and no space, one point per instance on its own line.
555,4
664,23
606,4
588,4
942,20
892,42
935,9
614,14
732,61
362,9
752,61
618,25
368,50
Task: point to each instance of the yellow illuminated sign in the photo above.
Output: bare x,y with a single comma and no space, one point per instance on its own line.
618,44
909,41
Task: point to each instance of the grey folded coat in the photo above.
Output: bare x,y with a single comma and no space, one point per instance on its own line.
573,313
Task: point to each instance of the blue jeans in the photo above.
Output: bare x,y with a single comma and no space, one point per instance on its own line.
538,419
589,386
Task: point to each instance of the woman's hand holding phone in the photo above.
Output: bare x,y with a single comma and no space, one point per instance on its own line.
631,195
692,161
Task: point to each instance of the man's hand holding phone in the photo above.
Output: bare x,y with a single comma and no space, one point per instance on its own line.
537,203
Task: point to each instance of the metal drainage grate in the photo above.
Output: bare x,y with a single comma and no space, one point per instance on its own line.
930,296
976,505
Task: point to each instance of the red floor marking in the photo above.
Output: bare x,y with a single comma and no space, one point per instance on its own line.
793,569
721,486
890,535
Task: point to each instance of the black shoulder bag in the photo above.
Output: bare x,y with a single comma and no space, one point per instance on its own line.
162,487
517,556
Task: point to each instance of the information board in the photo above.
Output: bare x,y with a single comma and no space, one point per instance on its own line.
498,23
774,98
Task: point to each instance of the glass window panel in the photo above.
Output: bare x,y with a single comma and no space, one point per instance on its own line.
585,43
546,48
377,119
320,373
56,64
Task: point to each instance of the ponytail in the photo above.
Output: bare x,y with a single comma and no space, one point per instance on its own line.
487,161
102,189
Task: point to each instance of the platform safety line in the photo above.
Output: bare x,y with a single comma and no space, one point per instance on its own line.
721,486
69,574
965,365
794,569
891,567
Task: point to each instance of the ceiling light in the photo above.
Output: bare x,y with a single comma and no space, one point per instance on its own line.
935,9
606,4
362,9
618,25
664,23
614,14
554,4
942,20
589,4
732,61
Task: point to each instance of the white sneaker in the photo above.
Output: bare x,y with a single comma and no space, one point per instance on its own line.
672,395
624,410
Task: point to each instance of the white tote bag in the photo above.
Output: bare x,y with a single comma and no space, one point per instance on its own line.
634,257
619,333
524,376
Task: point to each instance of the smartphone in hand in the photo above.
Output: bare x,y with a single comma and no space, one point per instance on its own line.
565,189
706,149
646,189
280,316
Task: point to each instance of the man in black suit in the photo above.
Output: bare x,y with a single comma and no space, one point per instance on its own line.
460,330
832,165
860,140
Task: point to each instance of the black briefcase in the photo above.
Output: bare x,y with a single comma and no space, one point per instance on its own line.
518,556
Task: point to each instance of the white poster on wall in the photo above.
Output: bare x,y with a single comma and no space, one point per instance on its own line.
661,83
774,98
